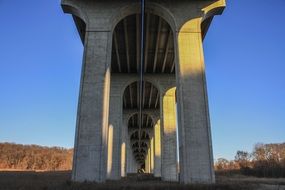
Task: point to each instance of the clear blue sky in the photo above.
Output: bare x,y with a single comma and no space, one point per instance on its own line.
40,64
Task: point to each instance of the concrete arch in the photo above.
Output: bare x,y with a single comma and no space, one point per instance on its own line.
133,80
144,114
134,8
136,151
74,9
136,112
144,132
136,131
214,9
100,20
206,15
166,89
135,145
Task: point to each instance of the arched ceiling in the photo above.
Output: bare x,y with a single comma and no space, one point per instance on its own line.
140,146
150,99
126,59
159,46
147,122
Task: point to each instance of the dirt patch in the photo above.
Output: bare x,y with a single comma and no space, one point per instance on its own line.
61,181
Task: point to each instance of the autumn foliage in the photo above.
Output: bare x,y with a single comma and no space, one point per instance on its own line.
33,157
266,160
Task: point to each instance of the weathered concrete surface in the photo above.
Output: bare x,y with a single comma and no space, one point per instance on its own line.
157,149
115,123
152,155
169,145
195,145
189,21
90,154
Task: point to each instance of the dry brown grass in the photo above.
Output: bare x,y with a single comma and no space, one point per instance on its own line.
12,180
251,180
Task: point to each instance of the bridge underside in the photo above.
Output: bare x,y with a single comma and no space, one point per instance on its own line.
126,59
125,125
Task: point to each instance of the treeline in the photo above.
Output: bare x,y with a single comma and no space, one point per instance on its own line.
33,157
266,160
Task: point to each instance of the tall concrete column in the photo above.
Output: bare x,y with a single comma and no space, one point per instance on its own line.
128,162
115,133
157,150
169,145
90,153
134,165
131,163
196,158
152,154
148,161
124,150
110,151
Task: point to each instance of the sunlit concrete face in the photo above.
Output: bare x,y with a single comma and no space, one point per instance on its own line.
110,151
157,149
169,147
109,143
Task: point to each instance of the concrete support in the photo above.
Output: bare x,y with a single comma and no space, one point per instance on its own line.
157,149
151,155
131,165
115,130
196,160
115,134
129,154
124,151
146,169
148,161
169,145
134,165
90,154
96,133
110,151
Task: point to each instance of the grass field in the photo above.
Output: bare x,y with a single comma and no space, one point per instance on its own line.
23,180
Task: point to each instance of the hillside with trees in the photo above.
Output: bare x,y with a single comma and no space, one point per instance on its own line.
33,157
266,160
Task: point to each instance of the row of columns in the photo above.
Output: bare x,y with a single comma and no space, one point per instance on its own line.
162,149
93,121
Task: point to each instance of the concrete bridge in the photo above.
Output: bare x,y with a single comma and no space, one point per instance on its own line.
125,123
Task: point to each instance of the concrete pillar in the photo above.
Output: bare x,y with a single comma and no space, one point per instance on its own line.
110,151
124,150
128,161
151,155
134,165
131,164
196,158
169,145
157,150
148,161
90,153
116,134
